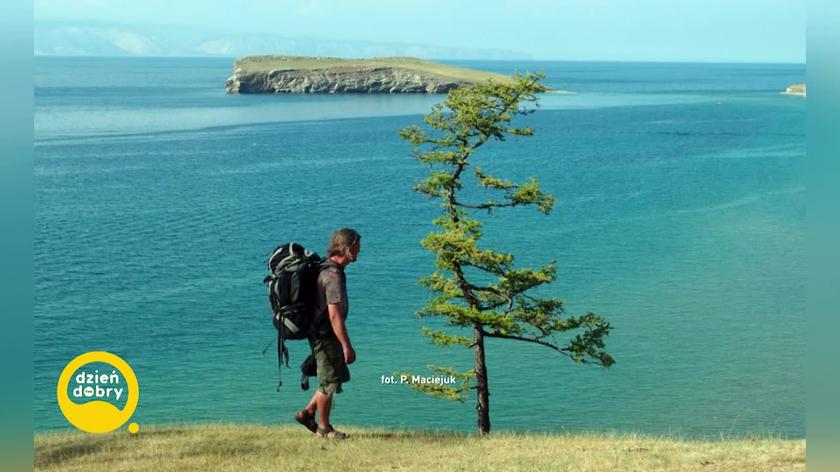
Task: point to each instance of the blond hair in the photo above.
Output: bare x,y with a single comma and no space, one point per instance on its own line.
341,242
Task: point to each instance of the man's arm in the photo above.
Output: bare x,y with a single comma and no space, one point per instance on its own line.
341,332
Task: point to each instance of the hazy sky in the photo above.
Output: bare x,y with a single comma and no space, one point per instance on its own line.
669,30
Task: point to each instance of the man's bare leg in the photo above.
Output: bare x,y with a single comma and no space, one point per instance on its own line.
312,406
306,417
323,405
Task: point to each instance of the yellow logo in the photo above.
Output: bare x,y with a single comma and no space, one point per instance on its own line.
98,416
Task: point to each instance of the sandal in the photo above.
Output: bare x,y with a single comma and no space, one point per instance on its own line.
331,433
306,419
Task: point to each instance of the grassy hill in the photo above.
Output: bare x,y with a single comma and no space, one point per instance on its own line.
222,447
255,64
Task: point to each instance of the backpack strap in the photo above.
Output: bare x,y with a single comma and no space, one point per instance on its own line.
322,325
282,353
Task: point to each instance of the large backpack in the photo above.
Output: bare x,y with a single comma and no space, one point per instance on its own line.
292,290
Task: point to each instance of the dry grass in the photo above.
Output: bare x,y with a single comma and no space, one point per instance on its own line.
252,64
250,447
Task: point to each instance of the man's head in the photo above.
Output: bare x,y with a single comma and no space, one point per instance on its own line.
345,245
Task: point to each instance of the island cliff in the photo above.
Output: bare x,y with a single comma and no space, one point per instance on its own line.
289,74
796,89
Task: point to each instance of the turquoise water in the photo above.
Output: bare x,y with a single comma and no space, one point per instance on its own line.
680,218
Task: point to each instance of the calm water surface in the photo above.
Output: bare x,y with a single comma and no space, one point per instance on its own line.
680,218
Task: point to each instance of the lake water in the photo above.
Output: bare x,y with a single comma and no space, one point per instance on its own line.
680,218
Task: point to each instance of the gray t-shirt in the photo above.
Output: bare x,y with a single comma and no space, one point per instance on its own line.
332,289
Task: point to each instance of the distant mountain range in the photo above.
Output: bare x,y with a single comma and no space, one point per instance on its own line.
103,39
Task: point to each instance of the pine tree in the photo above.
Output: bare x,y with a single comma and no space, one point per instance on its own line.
503,308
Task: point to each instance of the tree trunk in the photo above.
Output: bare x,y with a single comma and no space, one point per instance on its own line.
482,405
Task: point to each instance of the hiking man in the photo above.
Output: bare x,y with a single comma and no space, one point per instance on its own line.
331,345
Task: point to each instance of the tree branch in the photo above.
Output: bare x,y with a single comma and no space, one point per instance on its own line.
547,344
487,206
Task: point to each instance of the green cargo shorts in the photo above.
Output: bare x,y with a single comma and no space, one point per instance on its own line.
329,360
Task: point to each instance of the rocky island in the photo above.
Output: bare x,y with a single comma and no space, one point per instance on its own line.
293,74
795,89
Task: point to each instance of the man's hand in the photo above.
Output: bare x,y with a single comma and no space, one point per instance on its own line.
349,354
